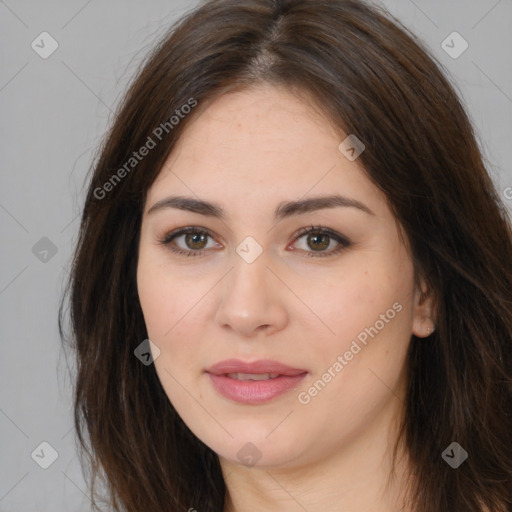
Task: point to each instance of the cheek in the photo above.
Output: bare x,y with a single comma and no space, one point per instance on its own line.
171,303
369,291
370,311
372,318
155,296
161,294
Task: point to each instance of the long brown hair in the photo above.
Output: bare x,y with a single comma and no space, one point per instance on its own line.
373,78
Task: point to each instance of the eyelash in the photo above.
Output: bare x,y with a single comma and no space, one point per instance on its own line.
343,242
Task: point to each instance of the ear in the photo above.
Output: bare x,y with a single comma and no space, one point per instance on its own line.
423,313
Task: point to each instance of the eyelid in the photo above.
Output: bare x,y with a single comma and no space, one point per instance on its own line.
343,242
168,238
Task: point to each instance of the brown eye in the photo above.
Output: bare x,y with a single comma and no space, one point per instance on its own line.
318,239
195,240
318,242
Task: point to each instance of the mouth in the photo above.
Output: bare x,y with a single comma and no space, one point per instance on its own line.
252,376
256,382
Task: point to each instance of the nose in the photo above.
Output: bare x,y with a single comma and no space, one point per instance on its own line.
252,299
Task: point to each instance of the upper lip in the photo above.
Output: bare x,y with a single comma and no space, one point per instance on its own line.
255,367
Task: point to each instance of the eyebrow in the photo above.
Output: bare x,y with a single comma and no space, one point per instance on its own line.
283,210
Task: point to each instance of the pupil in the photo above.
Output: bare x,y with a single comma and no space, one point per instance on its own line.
195,238
315,238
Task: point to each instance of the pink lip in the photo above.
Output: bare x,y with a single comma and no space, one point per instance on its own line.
254,391
261,366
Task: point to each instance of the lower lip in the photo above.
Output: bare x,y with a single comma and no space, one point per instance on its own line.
254,391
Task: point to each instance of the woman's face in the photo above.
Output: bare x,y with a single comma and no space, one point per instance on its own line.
337,306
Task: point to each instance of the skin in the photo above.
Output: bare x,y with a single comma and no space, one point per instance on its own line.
249,151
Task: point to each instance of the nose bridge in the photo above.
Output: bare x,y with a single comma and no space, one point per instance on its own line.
250,298
248,280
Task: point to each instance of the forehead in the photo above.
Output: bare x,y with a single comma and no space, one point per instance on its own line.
264,142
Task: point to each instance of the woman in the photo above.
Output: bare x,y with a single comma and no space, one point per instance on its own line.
292,288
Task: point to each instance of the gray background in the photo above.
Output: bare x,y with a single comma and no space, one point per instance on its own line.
54,112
